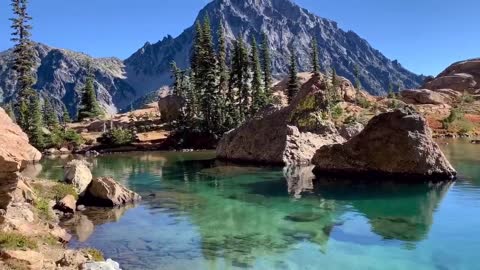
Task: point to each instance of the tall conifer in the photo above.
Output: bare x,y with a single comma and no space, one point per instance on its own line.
89,107
267,67
259,99
23,59
315,63
293,86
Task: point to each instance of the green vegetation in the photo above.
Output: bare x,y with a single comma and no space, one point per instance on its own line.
54,190
89,107
96,254
43,208
15,241
293,87
117,137
337,112
315,62
216,97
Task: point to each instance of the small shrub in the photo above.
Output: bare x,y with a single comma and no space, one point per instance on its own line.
9,240
54,191
117,137
96,254
467,98
363,102
394,104
465,127
351,119
454,115
60,138
337,112
43,208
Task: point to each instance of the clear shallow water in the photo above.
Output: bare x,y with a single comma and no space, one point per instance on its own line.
201,214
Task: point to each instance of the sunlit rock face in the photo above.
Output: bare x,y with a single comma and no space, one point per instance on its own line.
288,136
397,144
284,24
15,154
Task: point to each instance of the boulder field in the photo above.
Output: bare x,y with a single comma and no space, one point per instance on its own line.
396,144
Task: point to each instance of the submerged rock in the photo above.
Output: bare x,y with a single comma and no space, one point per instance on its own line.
104,191
109,264
287,136
76,172
394,144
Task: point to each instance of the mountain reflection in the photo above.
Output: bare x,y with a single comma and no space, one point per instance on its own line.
228,214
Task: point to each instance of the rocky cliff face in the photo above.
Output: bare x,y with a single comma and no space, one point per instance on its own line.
285,24
61,76
60,73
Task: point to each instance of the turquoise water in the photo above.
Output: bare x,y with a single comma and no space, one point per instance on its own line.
201,214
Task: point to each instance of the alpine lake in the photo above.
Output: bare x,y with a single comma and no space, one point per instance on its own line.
199,213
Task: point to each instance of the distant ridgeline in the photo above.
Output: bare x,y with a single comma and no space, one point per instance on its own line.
61,73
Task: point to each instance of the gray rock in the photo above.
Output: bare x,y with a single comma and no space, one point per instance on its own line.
460,76
425,96
61,73
76,172
397,144
109,264
104,191
287,136
351,130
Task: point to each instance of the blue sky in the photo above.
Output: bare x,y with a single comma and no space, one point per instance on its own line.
424,35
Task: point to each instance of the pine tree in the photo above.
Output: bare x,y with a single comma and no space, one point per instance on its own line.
223,77
36,123
391,93
315,63
50,116
197,55
267,67
358,85
259,99
24,59
9,111
240,79
207,71
335,83
65,115
89,107
293,87
23,115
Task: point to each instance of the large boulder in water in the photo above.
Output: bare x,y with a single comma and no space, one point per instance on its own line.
105,191
290,135
15,154
396,144
76,172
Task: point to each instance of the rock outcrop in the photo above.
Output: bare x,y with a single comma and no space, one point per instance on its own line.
397,144
287,136
461,76
426,96
350,130
105,191
169,107
15,154
60,73
77,173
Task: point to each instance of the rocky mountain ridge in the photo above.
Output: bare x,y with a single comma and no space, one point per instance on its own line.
60,73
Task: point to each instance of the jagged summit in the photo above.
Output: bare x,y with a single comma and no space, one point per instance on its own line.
148,69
